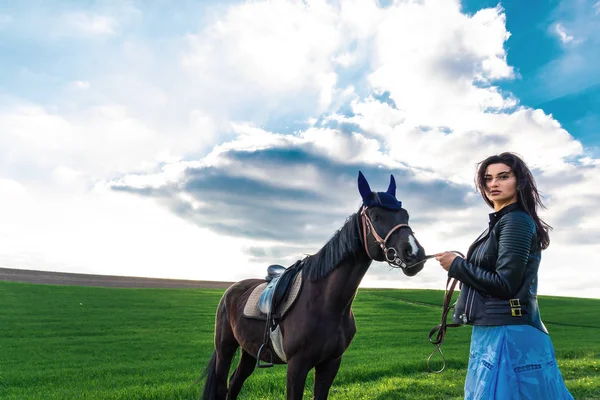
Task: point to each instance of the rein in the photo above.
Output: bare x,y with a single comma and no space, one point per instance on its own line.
440,330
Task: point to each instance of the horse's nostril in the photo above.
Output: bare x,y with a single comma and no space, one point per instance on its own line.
407,254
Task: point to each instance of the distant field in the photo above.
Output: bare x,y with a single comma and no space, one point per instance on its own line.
72,342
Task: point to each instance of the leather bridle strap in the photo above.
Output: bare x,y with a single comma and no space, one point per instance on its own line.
366,223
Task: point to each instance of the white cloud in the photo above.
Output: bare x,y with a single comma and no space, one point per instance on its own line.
562,34
79,85
100,141
278,53
91,24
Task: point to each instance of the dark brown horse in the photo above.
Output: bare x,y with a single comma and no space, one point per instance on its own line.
320,325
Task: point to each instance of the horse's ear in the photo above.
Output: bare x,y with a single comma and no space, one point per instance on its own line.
363,186
392,188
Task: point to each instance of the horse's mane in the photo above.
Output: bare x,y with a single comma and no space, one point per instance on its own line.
343,245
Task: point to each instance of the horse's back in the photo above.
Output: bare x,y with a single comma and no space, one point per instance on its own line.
241,290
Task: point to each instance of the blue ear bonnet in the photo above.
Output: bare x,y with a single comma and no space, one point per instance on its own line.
382,199
385,199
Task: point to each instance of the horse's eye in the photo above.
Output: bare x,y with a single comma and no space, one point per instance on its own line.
375,217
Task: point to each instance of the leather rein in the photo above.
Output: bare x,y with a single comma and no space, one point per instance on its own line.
438,333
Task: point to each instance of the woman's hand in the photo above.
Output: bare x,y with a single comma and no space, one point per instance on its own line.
445,259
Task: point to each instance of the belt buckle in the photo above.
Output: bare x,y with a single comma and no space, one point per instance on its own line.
515,308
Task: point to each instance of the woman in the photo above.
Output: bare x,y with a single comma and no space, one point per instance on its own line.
512,356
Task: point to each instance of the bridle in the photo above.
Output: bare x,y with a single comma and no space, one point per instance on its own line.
392,257
390,253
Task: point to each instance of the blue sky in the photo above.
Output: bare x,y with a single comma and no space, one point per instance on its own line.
140,138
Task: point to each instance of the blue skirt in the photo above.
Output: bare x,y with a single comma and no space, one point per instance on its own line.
513,362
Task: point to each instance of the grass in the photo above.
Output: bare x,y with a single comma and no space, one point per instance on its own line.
67,342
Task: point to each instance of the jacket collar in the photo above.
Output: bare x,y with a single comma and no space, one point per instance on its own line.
495,216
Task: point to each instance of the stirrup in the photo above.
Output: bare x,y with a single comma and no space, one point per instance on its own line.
265,364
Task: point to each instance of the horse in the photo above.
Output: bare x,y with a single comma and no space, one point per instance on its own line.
320,325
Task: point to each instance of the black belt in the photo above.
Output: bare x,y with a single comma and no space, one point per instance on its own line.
503,306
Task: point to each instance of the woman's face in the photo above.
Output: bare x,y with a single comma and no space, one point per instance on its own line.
500,184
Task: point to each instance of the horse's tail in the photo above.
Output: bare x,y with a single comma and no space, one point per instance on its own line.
210,373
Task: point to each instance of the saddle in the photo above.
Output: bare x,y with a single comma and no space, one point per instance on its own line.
274,271
277,294
270,301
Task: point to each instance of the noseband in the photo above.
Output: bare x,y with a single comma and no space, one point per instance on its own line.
390,253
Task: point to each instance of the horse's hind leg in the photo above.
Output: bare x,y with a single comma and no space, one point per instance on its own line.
224,357
225,348
242,372
324,375
225,345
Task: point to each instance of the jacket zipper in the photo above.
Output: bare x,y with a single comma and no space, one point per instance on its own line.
469,308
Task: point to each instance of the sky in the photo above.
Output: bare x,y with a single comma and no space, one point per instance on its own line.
207,140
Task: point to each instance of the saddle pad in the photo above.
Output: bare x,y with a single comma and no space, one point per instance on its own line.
251,309
277,340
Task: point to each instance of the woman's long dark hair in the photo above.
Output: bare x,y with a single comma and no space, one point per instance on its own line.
527,193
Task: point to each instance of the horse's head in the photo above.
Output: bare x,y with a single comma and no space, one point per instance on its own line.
386,234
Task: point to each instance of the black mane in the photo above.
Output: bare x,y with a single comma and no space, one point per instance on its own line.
344,244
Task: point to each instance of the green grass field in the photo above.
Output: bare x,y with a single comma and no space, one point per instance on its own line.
67,342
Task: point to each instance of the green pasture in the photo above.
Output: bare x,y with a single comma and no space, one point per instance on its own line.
67,342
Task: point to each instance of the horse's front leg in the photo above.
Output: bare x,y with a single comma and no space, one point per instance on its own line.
324,375
297,371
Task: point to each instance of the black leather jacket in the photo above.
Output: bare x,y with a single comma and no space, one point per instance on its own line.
499,276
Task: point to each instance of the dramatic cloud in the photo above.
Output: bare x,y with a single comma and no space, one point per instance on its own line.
249,191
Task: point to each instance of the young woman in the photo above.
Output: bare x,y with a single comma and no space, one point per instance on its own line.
512,356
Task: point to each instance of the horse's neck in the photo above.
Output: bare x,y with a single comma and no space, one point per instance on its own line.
341,285
348,263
